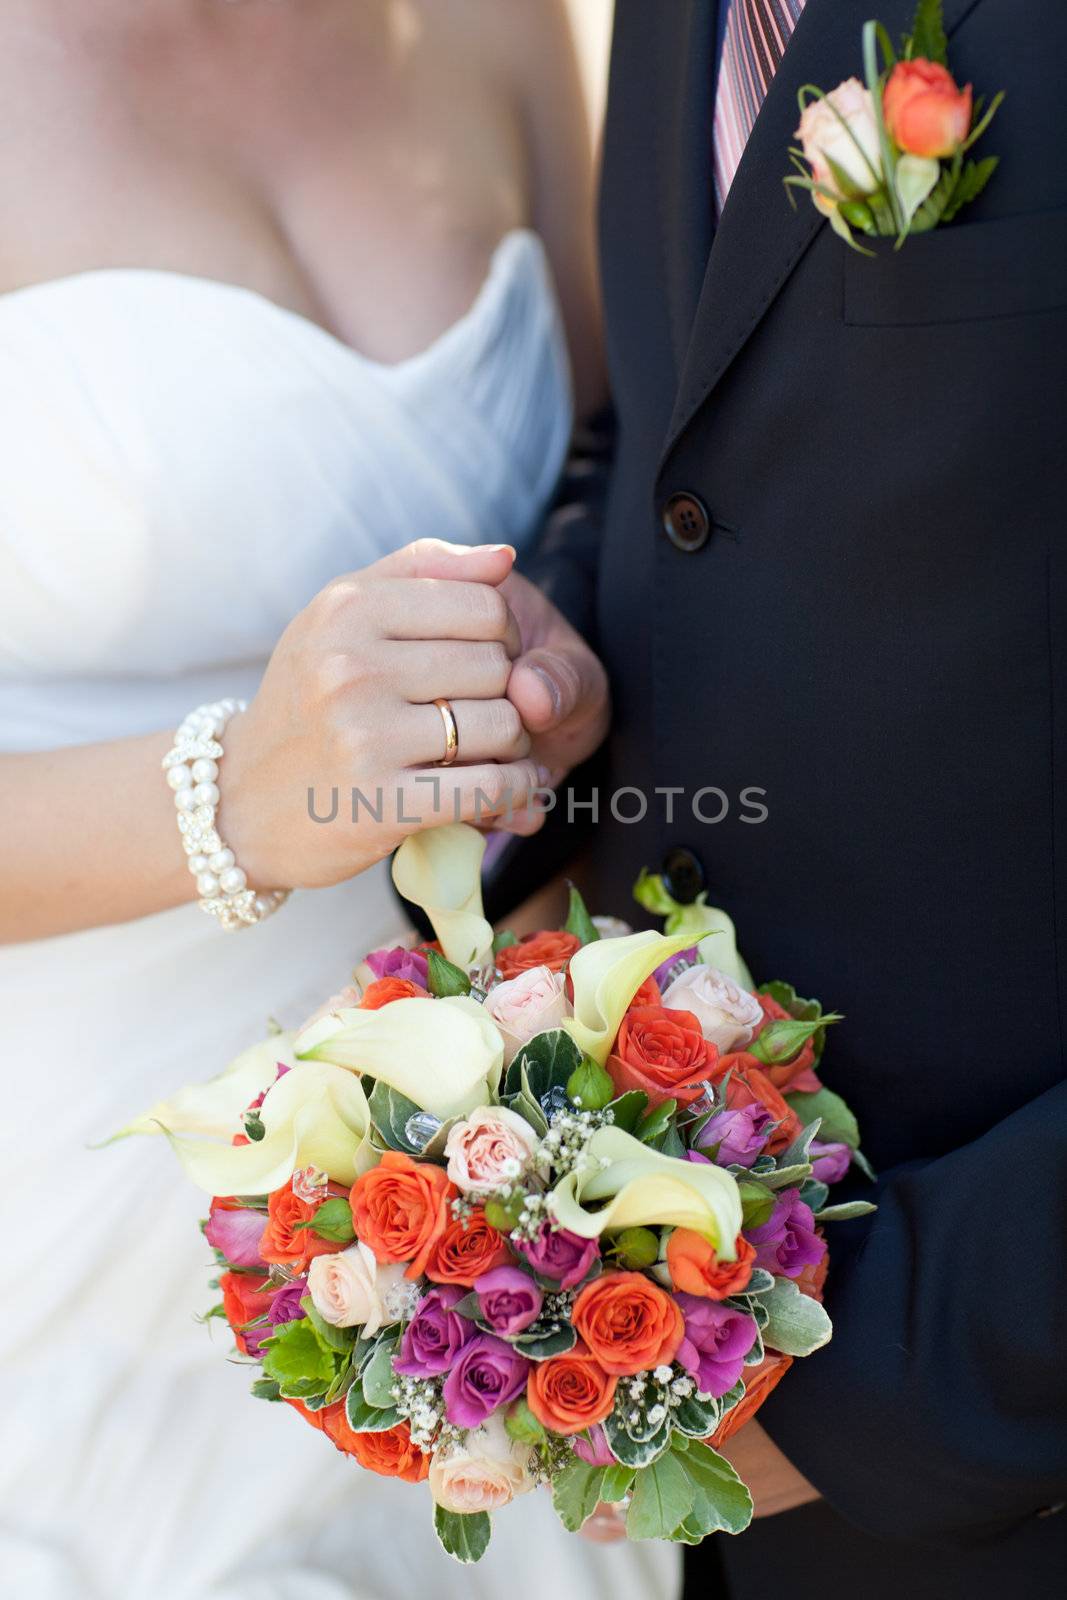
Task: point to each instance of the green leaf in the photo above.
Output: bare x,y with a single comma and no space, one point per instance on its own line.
377,1376
650,892
838,1125
927,39
845,1211
783,1039
504,940
721,1501
339,1340
521,1424
362,1417
627,1109
663,1496
916,178
633,1452
579,922
295,1352
548,1059
972,180
540,1346
616,1485
333,1221
576,1493
444,977
266,1389
797,1324
698,1419
465,1538
390,1111
757,1203
589,1086
657,1121
524,1106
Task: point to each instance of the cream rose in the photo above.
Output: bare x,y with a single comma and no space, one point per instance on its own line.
728,1015
486,1471
842,128
351,1288
487,1150
532,1003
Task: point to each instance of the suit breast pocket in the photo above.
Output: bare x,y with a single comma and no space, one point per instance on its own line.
963,272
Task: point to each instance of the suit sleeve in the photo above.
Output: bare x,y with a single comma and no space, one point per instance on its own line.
563,561
939,1409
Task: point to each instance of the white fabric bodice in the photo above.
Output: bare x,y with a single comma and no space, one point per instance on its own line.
182,466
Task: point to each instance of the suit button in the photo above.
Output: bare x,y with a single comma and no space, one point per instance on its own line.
686,522
683,876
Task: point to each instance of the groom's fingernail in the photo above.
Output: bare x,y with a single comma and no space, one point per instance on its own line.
553,688
544,777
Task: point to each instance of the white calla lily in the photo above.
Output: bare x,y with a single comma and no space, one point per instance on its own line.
644,1188
606,975
445,1055
215,1107
440,870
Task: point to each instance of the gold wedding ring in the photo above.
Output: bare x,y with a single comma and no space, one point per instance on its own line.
448,717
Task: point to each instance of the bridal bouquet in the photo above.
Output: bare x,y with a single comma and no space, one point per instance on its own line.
529,1211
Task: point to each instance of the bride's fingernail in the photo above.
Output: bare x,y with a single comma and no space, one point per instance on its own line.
552,686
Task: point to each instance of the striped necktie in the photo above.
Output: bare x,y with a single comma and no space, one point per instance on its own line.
757,32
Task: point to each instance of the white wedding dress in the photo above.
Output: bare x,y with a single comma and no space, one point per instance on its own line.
183,464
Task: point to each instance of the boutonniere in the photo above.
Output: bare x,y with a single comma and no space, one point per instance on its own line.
888,157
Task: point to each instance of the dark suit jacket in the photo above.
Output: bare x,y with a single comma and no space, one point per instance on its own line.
874,634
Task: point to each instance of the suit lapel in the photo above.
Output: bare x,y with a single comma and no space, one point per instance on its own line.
760,239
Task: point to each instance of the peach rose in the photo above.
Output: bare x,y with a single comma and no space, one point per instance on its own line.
531,1003
925,113
696,1269
728,1014
842,128
467,1247
628,1322
571,1392
390,1453
351,1289
483,1472
383,990
283,1241
400,1208
488,1149
547,949
759,1381
662,1052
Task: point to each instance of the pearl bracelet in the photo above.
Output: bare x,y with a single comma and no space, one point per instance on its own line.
192,770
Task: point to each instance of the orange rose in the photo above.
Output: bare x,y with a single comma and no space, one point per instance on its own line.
382,990
648,994
925,113
551,950
812,1279
664,1052
400,1209
628,1322
243,1300
696,1269
390,1453
318,1419
283,1241
571,1392
750,1086
468,1247
759,1381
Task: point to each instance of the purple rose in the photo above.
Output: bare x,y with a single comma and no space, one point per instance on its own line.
829,1162
674,964
285,1307
488,1374
717,1340
740,1135
509,1298
557,1254
399,963
435,1335
787,1242
237,1234
592,1447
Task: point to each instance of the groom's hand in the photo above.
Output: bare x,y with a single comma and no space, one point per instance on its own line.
557,685
775,1483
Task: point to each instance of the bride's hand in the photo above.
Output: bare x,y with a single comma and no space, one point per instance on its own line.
346,704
